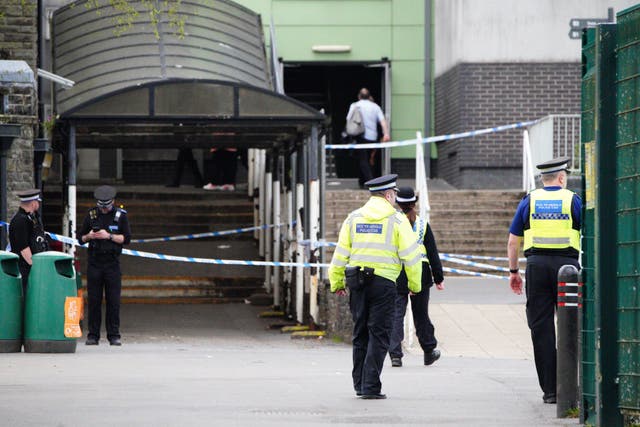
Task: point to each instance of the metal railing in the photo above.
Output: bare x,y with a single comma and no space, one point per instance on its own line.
552,136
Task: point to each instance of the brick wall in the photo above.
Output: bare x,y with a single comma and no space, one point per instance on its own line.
475,96
18,31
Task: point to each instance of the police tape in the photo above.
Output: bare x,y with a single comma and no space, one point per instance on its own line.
207,234
472,263
473,273
430,139
484,257
164,257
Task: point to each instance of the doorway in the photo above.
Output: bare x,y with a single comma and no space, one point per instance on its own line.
333,87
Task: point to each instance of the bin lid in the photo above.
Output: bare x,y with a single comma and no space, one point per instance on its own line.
54,255
7,255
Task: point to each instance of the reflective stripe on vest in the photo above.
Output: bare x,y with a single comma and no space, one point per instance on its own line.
550,221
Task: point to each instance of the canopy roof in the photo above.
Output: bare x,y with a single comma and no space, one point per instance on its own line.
138,90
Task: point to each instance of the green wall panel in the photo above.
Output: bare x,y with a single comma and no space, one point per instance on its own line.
367,43
407,78
332,13
408,12
408,43
407,112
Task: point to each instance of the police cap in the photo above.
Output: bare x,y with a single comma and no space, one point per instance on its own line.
406,195
385,182
555,165
29,195
105,193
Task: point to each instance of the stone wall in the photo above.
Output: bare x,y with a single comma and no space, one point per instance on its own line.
474,96
19,161
18,31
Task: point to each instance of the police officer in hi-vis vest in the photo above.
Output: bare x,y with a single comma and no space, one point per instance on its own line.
374,242
548,220
26,233
431,271
106,228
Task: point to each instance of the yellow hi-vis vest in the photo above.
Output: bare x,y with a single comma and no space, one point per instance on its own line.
379,237
550,221
420,229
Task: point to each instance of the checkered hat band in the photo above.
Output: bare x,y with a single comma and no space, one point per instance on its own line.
30,198
383,187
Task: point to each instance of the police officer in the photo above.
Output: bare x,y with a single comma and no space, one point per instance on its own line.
548,220
106,228
374,242
26,233
431,270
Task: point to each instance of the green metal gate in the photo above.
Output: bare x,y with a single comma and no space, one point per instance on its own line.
628,209
588,136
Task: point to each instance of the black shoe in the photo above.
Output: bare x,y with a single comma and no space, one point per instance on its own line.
92,341
396,362
358,393
429,358
115,341
373,396
172,185
549,398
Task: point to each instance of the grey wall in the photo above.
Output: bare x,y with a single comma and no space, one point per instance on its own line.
482,95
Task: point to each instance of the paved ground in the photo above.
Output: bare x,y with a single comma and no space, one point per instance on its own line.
219,365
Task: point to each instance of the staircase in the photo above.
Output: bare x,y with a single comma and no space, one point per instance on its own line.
466,222
156,211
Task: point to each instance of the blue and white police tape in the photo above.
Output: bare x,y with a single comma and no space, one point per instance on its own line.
473,273
472,264
207,234
165,257
318,243
486,258
430,139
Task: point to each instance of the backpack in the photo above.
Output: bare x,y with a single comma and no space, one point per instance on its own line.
355,124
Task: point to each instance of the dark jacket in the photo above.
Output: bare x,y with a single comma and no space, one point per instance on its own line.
431,271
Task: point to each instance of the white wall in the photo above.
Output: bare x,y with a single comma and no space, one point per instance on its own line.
512,30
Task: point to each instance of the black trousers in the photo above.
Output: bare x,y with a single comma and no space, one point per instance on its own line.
542,297
372,309
364,167
424,327
224,167
103,275
185,155
25,269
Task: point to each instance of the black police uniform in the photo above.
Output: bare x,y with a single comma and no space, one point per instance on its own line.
103,269
26,230
541,277
419,303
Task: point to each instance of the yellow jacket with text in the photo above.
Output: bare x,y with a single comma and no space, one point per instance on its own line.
377,236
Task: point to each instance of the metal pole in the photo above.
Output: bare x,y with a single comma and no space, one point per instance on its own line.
3,197
261,201
300,235
314,218
268,218
72,186
569,303
428,84
323,191
277,231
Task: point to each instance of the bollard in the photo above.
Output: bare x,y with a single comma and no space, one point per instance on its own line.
569,304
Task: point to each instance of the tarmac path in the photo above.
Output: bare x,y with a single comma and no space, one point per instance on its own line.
219,365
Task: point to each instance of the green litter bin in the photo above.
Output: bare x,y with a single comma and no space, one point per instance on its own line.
52,279
10,304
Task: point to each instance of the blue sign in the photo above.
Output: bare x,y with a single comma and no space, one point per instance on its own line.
548,206
369,228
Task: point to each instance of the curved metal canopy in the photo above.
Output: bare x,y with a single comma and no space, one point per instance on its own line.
216,77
